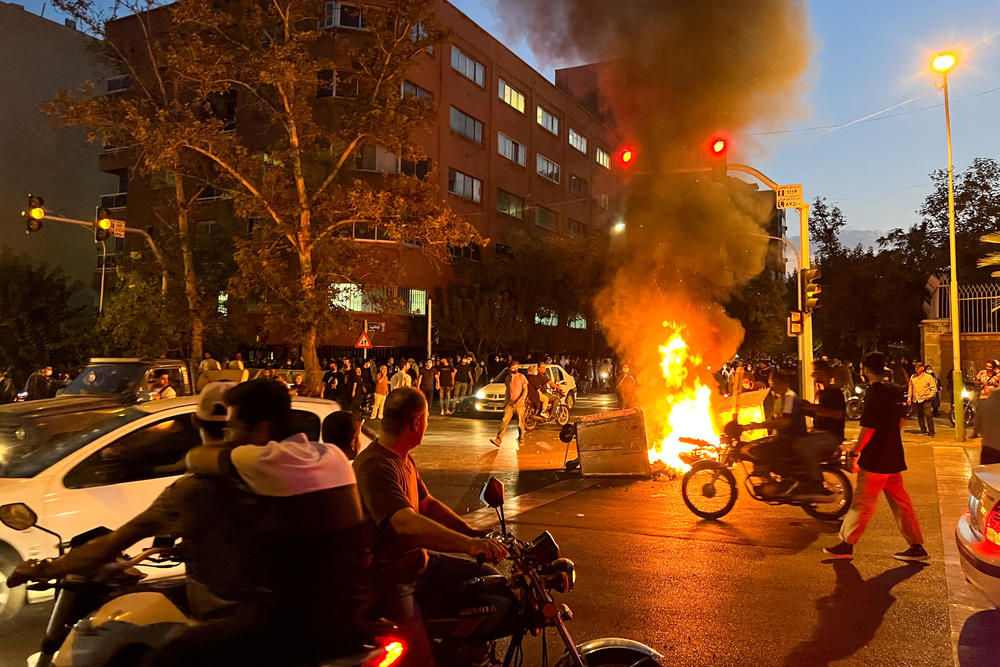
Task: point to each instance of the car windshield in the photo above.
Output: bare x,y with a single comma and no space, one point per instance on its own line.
29,446
106,379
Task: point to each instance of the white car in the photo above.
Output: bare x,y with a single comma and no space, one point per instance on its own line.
978,532
80,469
493,396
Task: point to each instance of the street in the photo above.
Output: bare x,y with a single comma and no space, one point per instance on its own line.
752,589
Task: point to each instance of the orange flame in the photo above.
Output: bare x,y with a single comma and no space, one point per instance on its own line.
686,402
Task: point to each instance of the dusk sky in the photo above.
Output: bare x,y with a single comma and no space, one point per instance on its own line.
868,58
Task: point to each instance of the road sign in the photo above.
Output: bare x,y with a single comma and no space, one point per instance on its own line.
118,228
364,342
789,196
376,326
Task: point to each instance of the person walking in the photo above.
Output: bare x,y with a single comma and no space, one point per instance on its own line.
427,381
237,363
446,386
880,464
402,377
381,391
331,382
517,396
464,378
921,391
628,388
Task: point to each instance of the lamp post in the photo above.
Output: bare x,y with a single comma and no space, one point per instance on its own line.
943,64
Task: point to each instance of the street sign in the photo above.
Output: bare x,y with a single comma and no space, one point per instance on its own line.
118,228
364,342
789,196
376,326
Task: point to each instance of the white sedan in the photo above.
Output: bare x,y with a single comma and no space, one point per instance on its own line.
100,466
978,532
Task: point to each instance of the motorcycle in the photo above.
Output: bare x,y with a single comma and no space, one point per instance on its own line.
486,609
854,399
709,488
558,413
111,620
970,399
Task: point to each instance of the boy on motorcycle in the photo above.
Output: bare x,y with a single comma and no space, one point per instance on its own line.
787,420
828,429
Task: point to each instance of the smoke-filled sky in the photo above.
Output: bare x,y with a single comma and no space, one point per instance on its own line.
868,57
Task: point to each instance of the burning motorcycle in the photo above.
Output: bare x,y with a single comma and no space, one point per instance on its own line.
486,609
709,488
558,413
111,620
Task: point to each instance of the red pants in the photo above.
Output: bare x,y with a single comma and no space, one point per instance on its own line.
870,485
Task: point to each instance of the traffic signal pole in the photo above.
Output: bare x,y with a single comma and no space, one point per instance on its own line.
805,341
133,230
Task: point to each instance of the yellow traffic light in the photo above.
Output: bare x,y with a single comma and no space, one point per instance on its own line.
34,213
102,224
811,289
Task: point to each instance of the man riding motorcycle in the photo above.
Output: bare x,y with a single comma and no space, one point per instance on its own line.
275,573
544,385
408,528
828,429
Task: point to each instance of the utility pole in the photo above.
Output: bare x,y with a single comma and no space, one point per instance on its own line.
430,319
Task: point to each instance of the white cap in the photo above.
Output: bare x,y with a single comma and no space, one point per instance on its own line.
211,406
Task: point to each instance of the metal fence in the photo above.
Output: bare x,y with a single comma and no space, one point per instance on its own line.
978,306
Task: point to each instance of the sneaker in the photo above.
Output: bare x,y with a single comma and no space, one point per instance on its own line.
916,552
842,550
496,441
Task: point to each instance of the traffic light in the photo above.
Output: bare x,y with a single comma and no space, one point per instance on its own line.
34,214
718,155
625,157
795,323
102,224
811,289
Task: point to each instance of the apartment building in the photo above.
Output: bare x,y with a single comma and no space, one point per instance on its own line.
511,151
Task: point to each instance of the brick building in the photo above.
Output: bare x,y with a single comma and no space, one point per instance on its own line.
510,151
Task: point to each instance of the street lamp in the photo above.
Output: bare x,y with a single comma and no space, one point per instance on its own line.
943,63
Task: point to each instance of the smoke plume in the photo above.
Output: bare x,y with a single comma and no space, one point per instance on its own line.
673,74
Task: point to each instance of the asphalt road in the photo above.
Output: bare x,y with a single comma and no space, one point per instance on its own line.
752,589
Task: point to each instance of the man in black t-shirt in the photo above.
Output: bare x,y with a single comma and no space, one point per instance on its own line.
827,433
881,465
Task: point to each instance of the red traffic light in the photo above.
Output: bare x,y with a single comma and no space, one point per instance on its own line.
718,146
625,156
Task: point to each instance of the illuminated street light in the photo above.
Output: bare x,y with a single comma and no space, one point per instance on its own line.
943,63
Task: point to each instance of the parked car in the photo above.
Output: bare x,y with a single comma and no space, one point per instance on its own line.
978,532
127,380
97,465
493,397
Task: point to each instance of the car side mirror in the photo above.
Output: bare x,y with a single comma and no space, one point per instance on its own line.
492,493
18,516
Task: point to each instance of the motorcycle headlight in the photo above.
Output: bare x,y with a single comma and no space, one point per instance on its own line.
857,390
560,575
543,549
604,375
966,393
481,394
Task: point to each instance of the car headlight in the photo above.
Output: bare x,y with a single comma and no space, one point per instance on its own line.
481,394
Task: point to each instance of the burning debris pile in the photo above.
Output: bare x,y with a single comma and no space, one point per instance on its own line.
673,74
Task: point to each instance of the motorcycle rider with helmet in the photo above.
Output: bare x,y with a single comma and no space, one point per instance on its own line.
411,533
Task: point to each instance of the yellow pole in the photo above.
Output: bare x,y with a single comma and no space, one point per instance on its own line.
958,382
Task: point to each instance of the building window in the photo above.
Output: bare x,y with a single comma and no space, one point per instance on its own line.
419,33
548,121
511,95
117,84
343,15
510,204
546,217
410,89
345,84
222,304
208,227
577,322
547,168
466,125
325,83
510,149
376,158
418,169
577,185
414,300
467,66
465,186
576,229
602,158
471,252
546,317
577,141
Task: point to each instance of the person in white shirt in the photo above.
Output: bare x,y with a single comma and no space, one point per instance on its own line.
209,364
237,363
517,396
402,377
922,389
161,387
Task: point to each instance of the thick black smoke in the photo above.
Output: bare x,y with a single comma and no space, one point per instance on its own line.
674,74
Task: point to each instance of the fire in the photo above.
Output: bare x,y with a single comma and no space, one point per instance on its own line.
686,402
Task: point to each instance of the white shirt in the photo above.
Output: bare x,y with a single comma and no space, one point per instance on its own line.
401,379
292,467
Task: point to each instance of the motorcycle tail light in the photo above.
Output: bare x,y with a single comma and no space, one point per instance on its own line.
993,525
392,653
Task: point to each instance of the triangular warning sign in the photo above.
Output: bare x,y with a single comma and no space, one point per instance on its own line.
364,341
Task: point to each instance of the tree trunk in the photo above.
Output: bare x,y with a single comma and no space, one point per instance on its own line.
190,279
310,359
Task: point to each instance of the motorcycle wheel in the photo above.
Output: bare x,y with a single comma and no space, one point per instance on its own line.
614,657
562,415
570,399
853,411
530,422
970,416
835,480
709,489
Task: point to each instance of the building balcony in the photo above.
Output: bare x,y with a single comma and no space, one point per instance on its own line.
114,202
